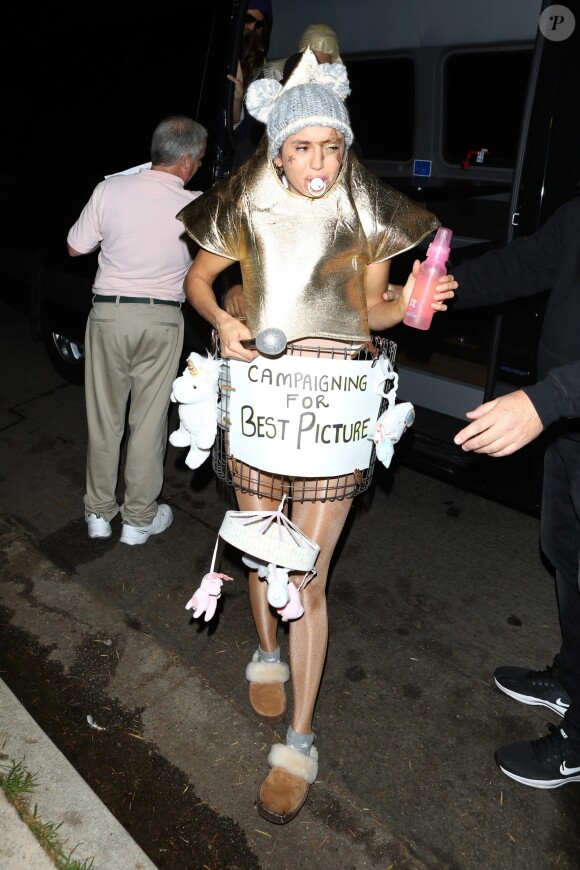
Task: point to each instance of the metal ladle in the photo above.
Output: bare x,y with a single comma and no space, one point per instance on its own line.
270,341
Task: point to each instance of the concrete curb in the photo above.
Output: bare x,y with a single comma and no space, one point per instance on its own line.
62,797
19,846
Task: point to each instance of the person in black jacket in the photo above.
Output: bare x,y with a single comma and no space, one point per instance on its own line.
251,65
549,259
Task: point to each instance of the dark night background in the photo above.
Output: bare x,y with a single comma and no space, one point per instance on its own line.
86,89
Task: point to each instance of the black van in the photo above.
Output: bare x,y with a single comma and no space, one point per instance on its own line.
495,351
468,108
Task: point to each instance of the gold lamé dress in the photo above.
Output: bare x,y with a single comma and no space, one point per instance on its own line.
303,260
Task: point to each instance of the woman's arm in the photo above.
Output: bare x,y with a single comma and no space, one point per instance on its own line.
382,314
198,286
233,301
386,302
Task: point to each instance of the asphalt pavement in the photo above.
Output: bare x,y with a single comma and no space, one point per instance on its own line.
190,720
432,588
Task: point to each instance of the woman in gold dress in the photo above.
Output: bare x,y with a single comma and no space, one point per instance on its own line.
313,232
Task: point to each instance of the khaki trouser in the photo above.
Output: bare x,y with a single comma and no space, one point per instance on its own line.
132,352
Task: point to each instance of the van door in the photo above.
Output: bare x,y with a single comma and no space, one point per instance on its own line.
546,174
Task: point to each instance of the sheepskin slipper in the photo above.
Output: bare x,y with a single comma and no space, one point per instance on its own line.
285,789
267,691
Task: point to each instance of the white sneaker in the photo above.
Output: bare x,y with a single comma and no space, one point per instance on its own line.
98,527
163,519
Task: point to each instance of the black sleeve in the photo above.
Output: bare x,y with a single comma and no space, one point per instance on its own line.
522,268
557,396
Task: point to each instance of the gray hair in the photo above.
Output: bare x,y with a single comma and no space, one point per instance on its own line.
174,138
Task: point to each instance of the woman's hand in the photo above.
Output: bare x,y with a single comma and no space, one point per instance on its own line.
446,287
238,81
231,332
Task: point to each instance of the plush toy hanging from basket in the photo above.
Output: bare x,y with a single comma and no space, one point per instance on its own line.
205,597
196,391
273,546
393,422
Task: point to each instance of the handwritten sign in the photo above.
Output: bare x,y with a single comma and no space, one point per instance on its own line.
304,416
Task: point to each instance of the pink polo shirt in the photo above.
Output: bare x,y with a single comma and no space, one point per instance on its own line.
145,250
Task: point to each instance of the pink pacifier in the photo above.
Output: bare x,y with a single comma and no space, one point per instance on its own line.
316,186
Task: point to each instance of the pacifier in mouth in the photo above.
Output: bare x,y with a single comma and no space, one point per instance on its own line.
316,186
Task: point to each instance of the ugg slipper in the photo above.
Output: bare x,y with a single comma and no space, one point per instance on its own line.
267,691
285,789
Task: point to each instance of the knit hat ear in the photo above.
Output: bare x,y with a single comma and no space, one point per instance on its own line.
261,96
312,97
334,77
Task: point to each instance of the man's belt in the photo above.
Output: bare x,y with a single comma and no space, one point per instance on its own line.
139,300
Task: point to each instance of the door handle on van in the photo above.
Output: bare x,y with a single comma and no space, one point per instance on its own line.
515,217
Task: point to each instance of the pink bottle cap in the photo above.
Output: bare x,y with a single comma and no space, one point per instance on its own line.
440,247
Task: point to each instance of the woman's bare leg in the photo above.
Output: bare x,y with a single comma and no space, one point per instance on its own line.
323,522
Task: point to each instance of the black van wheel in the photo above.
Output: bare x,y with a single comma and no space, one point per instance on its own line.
67,357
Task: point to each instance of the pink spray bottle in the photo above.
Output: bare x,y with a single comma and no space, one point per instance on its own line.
419,312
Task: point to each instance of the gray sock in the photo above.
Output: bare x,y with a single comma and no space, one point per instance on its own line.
268,656
301,742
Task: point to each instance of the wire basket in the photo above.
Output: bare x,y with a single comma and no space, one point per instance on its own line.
276,487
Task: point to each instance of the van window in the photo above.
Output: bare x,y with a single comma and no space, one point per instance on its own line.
483,95
382,88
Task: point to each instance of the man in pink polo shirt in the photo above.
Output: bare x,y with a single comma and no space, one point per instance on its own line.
134,334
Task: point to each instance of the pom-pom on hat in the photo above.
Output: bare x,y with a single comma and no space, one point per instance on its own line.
312,97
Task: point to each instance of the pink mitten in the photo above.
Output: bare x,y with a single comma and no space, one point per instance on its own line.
206,596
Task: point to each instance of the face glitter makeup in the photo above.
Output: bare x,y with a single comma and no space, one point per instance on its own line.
316,186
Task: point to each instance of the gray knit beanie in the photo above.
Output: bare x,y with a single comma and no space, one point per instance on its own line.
312,97
303,106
